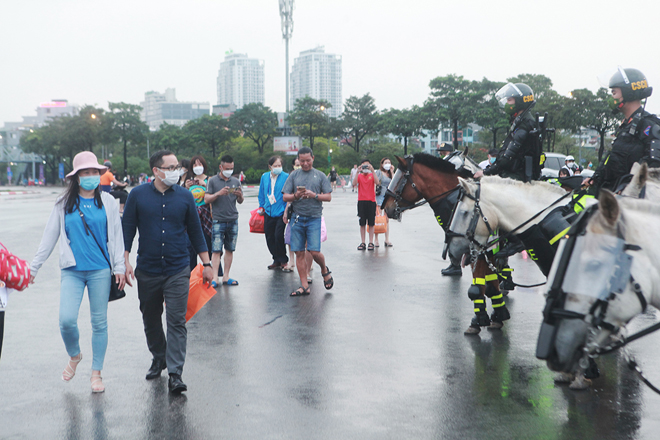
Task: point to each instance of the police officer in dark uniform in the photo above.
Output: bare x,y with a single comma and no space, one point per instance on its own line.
636,140
518,156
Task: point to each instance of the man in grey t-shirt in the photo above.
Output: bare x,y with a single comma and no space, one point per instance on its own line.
222,193
307,188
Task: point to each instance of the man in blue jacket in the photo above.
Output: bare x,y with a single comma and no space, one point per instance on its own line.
272,206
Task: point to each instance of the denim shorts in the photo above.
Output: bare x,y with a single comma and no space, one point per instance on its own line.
224,233
305,230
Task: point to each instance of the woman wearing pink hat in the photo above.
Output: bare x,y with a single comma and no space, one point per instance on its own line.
92,246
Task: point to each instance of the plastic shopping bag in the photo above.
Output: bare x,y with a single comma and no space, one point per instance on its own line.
380,226
256,222
14,272
324,231
199,293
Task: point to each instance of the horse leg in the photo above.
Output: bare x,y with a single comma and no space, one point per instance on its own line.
476,293
500,312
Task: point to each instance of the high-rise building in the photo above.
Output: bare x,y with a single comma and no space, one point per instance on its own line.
240,80
318,75
159,108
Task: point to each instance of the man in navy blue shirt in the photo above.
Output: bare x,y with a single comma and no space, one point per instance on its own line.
164,213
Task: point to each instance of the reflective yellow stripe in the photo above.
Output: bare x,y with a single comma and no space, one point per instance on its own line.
491,277
479,281
478,301
560,235
477,310
608,158
498,305
497,297
507,269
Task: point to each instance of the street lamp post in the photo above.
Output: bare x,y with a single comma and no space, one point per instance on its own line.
286,14
329,157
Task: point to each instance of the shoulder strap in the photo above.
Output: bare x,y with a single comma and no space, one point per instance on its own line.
89,231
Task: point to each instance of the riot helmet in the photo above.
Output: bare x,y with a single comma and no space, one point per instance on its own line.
633,85
522,93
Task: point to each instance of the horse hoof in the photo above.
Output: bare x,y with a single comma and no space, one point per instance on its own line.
472,331
580,383
564,378
495,325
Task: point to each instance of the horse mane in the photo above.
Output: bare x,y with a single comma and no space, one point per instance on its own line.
639,205
434,162
506,181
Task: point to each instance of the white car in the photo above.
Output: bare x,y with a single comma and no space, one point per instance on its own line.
554,162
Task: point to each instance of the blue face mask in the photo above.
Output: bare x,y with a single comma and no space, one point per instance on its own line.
90,182
492,159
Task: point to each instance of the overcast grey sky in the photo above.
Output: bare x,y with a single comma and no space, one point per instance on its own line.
92,52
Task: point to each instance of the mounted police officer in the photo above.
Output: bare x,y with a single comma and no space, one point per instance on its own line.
638,137
520,155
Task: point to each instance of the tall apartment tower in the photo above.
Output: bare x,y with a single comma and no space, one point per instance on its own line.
318,75
240,80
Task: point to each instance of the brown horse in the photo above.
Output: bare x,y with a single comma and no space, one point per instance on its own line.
422,176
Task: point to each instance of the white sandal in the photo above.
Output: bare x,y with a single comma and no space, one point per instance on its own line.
96,378
69,371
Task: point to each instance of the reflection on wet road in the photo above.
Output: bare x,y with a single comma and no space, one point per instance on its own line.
380,356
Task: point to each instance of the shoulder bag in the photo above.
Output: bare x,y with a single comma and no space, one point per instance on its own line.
115,293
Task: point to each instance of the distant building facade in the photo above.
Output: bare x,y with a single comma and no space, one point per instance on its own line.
318,75
160,108
240,80
224,110
11,132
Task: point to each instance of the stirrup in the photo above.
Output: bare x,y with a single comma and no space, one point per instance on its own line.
96,378
69,372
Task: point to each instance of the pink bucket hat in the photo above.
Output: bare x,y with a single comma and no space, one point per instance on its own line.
85,160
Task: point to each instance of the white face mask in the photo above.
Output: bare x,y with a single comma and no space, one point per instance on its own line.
277,170
198,170
171,177
227,173
387,166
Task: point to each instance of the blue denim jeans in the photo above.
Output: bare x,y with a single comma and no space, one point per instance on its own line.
72,289
305,230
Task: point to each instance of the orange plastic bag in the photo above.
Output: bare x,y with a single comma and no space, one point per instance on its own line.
380,226
256,222
199,293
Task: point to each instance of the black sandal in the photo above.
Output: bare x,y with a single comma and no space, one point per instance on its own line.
371,247
329,283
362,247
300,291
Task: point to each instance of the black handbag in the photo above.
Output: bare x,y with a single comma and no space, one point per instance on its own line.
115,293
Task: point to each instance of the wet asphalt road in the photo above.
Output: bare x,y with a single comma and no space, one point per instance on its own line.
380,356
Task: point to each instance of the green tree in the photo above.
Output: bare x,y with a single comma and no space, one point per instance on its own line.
126,125
359,119
256,122
310,119
209,132
403,124
453,100
488,113
169,137
592,111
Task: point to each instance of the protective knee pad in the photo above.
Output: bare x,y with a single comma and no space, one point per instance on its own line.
474,292
491,290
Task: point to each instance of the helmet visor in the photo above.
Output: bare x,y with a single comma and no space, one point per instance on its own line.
507,91
605,77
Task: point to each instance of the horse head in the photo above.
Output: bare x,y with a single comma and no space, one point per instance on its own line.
593,293
400,193
645,183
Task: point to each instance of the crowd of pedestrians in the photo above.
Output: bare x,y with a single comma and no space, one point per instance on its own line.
181,215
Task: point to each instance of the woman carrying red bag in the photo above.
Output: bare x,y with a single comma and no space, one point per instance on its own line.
272,206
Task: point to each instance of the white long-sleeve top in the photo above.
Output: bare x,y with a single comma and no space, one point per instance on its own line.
56,228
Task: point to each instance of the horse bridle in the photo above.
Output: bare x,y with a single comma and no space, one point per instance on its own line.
477,214
398,183
554,310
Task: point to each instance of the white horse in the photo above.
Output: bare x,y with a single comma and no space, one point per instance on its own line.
646,179
593,269
505,203
502,205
